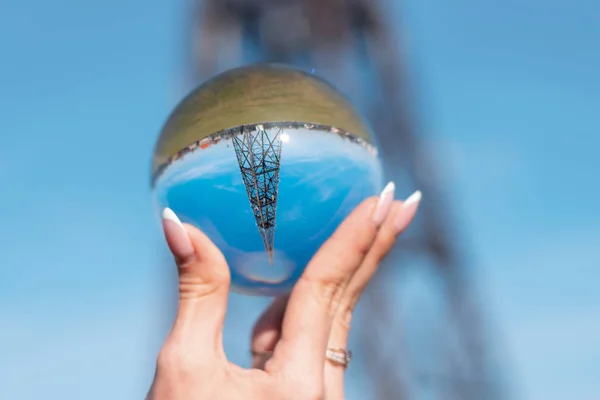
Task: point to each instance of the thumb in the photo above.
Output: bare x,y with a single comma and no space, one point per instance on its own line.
203,286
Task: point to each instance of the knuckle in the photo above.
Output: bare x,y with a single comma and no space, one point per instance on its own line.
190,289
327,290
363,243
347,250
194,286
330,289
344,318
344,314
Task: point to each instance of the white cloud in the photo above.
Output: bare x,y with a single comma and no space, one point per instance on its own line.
206,170
227,188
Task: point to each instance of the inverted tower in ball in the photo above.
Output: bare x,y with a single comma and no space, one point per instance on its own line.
267,160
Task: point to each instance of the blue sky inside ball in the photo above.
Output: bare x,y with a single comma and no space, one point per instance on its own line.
322,178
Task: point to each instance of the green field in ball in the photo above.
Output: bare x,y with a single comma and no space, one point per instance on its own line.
256,94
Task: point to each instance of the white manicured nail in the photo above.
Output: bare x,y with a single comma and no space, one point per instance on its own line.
386,198
414,198
177,237
407,212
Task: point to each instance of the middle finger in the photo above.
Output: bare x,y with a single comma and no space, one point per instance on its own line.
314,300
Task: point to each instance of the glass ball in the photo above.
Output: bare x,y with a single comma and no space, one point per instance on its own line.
267,161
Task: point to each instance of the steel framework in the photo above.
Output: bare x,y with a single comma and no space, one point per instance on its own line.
357,46
259,154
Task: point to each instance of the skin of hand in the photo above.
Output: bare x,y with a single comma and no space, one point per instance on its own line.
297,329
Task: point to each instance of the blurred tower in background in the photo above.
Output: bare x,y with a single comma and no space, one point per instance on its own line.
356,45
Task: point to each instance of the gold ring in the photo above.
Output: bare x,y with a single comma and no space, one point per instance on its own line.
339,356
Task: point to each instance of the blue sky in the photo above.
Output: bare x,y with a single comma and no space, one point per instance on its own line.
323,177
509,97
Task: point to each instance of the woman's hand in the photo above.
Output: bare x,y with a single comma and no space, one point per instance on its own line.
296,330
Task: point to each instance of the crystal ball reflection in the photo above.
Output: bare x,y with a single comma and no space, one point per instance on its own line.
267,161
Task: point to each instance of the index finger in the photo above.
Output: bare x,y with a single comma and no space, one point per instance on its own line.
315,298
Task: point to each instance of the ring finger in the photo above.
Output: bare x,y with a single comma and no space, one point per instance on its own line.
398,220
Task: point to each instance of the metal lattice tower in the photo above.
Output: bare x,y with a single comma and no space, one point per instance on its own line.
259,156
357,46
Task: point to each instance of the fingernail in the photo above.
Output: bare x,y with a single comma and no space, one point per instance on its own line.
414,198
409,207
177,237
384,204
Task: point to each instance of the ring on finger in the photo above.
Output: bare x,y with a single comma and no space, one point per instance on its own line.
339,356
